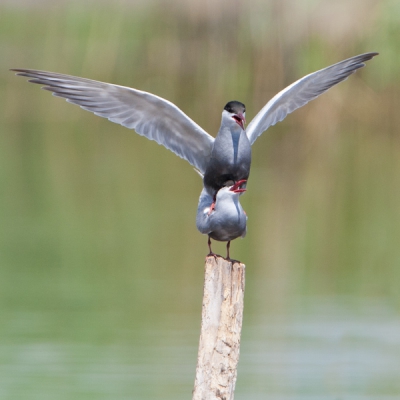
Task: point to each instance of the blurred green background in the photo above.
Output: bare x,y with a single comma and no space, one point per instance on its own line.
101,265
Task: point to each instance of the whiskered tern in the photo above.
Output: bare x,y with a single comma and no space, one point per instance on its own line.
222,161
223,219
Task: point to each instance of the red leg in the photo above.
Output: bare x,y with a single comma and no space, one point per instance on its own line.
212,207
209,246
228,245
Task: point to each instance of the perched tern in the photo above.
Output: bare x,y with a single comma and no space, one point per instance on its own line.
223,161
223,219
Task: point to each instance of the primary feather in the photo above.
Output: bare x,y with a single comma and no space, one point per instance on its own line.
149,115
301,92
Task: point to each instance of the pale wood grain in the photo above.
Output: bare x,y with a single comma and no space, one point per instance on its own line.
221,327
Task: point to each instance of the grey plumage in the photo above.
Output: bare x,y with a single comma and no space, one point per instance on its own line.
149,115
227,220
222,161
230,158
302,91
222,219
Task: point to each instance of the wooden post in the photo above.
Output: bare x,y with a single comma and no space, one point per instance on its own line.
221,326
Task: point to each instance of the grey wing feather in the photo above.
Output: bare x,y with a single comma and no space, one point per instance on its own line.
301,92
149,115
202,217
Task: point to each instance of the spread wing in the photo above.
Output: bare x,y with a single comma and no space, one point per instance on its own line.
301,92
149,115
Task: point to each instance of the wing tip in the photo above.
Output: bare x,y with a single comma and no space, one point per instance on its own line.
19,71
370,54
362,58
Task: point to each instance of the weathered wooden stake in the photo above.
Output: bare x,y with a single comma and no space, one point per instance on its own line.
221,326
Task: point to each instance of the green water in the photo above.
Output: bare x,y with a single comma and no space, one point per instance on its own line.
101,266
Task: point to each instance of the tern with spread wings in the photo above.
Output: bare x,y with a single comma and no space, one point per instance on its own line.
222,161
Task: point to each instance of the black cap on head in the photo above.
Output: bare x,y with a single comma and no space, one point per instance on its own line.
235,107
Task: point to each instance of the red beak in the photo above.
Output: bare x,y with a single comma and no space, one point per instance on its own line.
236,187
240,119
